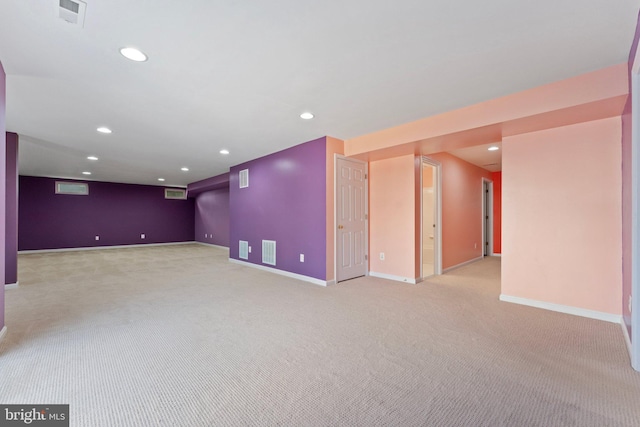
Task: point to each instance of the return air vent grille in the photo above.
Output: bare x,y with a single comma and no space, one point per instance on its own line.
269,252
72,11
75,188
175,193
244,250
244,178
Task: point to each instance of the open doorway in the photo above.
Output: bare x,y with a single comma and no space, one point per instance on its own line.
487,217
431,234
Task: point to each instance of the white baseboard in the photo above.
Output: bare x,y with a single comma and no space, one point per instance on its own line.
95,248
395,278
498,255
3,332
282,272
627,338
462,264
567,309
211,245
8,286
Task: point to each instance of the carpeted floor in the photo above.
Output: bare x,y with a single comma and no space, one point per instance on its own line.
177,336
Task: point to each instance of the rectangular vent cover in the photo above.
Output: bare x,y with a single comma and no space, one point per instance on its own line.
244,178
269,252
72,11
75,188
175,193
244,249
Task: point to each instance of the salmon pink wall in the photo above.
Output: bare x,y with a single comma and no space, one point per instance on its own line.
461,209
392,212
496,177
561,210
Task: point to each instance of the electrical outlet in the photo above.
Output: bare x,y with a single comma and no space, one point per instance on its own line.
475,246
142,236
381,256
630,299
205,235
249,249
301,257
97,237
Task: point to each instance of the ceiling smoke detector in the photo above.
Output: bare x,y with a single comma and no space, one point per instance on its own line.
72,11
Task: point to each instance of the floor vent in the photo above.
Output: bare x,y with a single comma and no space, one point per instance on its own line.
244,178
244,249
269,252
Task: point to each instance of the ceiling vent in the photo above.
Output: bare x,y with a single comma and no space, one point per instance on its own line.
71,11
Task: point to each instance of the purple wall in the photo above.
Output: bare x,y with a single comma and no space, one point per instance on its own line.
11,239
3,137
285,202
212,217
626,192
118,213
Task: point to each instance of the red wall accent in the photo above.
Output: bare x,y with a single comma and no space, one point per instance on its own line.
496,177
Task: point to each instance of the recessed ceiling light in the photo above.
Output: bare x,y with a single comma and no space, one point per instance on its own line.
184,169
86,173
94,158
133,54
493,148
103,129
306,116
160,179
224,151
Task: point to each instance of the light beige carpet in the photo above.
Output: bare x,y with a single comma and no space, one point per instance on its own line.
177,336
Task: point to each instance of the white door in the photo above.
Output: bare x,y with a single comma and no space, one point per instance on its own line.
351,219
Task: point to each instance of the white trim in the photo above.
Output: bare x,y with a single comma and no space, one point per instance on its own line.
395,278
462,264
212,245
282,272
498,255
8,286
627,338
95,248
635,212
3,332
567,309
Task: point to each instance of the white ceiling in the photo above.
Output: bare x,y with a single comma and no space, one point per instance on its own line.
237,75
480,155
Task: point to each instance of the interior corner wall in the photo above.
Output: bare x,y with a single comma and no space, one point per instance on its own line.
11,227
462,222
561,210
212,217
285,202
496,177
3,136
117,213
392,210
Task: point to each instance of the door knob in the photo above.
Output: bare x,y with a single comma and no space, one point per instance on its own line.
340,227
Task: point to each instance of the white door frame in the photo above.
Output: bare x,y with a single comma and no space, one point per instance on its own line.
335,213
635,210
438,231
487,210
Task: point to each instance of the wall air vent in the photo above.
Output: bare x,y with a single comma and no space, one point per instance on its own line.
175,193
269,252
244,178
75,188
72,11
244,249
